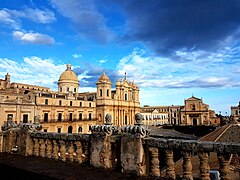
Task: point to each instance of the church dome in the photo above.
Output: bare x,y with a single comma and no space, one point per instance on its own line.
68,75
104,79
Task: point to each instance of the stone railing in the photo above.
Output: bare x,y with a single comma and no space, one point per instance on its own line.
130,148
186,149
59,146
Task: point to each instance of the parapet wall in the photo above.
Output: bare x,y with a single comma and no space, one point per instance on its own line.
130,149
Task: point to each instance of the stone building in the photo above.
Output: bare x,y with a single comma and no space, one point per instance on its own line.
154,118
235,112
171,113
67,110
193,112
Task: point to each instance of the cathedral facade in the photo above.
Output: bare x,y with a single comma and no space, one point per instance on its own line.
67,110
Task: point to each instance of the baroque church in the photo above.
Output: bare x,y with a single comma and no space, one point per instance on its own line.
67,110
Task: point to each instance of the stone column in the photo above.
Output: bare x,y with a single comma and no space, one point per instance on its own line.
36,147
42,148
187,166
170,172
204,166
79,152
71,151
133,156
30,146
224,165
155,171
86,151
63,150
55,150
49,148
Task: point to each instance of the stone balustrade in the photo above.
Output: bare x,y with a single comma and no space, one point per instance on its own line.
59,146
131,149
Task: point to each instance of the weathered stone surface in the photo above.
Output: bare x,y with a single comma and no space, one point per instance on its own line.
132,155
101,151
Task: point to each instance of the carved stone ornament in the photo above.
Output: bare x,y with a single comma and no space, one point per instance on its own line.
107,128
137,128
36,126
108,119
9,124
138,119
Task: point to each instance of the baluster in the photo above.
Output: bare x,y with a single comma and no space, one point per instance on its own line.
86,151
55,150
79,152
71,151
204,166
224,165
42,148
36,147
30,146
49,148
187,166
63,150
155,171
170,172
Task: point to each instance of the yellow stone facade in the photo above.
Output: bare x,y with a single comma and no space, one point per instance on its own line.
66,110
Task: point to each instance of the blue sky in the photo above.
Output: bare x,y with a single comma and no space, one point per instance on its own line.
170,48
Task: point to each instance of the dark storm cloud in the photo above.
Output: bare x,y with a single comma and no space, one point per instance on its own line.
168,25
93,73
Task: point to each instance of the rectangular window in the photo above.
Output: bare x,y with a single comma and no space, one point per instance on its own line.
45,117
70,116
75,89
59,117
90,116
70,103
107,93
80,116
60,102
90,105
46,101
45,130
25,118
80,104
59,130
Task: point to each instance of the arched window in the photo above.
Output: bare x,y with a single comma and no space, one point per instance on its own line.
70,129
108,93
80,129
67,89
193,107
100,93
125,98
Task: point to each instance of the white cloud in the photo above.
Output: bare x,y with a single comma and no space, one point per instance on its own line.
40,16
33,38
36,15
7,19
102,61
32,70
185,70
75,55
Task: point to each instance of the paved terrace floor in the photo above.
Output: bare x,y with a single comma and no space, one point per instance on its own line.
21,167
